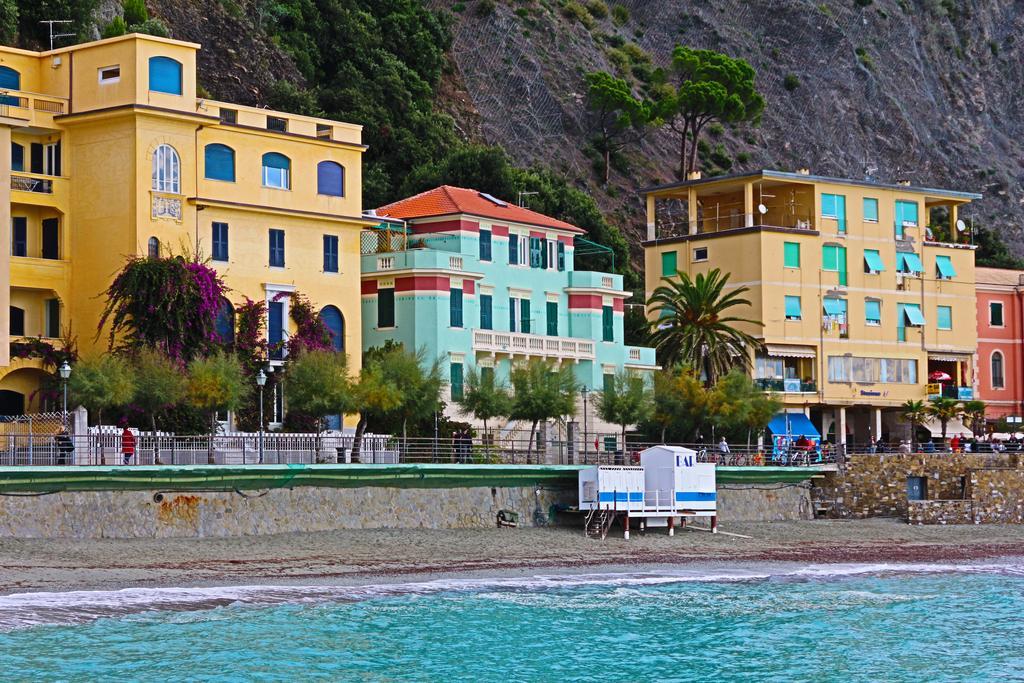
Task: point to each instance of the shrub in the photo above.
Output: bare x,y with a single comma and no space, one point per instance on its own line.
597,8
791,82
485,8
134,11
620,15
575,10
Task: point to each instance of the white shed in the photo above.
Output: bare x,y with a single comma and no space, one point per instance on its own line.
674,480
612,487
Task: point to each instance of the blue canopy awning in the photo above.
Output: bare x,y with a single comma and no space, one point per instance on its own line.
793,424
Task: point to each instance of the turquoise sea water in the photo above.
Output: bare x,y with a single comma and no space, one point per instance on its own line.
822,623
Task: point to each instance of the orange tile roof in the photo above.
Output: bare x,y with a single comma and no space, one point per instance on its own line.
447,200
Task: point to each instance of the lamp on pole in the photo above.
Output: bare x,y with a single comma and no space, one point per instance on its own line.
261,380
65,373
586,447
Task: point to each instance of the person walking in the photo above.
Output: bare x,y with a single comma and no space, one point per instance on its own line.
65,448
723,450
127,445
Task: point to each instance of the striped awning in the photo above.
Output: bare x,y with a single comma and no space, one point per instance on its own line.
787,351
948,356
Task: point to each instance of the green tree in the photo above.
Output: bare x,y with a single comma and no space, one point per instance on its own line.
738,408
375,393
319,385
34,34
707,87
484,397
418,383
915,413
626,400
115,27
617,116
160,384
101,382
680,405
8,21
945,409
216,383
542,392
693,325
134,11
975,412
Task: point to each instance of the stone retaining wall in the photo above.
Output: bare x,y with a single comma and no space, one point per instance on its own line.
998,496
137,514
941,512
764,503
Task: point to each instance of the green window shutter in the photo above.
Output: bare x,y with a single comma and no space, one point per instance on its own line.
841,212
535,252
485,245
944,318
544,254
386,307
873,261
524,315
513,250
456,380
870,209
793,307
455,307
829,257
791,254
913,313
668,264
512,314
607,323
944,266
841,258
873,312
828,206
608,382
486,312
552,318
486,375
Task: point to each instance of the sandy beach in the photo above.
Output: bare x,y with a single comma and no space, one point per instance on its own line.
411,554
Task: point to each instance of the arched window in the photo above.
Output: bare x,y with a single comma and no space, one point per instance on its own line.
9,80
330,179
165,75
17,322
998,376
154,247
166,170
335,324
220,162
276,171
225,325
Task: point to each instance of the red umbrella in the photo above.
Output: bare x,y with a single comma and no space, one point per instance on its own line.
940,376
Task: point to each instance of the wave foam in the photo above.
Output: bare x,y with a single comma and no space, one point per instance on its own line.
23,610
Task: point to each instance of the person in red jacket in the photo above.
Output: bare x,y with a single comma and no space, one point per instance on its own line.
127,445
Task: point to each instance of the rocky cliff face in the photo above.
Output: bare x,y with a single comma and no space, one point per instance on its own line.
923,90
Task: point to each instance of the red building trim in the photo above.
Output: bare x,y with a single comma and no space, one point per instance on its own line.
499,230
422,283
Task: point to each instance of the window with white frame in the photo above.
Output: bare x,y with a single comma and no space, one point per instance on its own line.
995,314
998,374
166,170
109,74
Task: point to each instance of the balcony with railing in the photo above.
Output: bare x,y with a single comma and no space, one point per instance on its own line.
534,345
786,386
640,355
34,109
595,280
413,259
38,189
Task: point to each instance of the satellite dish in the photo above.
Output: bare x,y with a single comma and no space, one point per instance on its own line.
762,209
960,225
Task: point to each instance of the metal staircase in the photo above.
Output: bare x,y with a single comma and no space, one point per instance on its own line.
598,523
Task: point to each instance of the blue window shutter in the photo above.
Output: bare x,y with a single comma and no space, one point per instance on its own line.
165,75
944,318
330,179
524,315
17,157
225,324
945,266
330,253
870,209
486,312
276,160
335,324
828,205
872,311
485,245
220,162
561,255
19,236
277,248
220,242
793,307
9,79
275,322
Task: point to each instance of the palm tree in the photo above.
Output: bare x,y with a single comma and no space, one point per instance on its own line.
975,410
916,413
693,326
945,409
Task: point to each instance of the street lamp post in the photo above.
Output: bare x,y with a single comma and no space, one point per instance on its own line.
586,447
65,373
261,380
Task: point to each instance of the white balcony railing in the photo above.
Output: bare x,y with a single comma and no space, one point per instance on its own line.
634,355
521,344
385,263
455,263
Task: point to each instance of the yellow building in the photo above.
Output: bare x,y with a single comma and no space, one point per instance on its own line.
107,152
860,304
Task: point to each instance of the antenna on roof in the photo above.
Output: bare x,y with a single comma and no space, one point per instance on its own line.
50,22
519,201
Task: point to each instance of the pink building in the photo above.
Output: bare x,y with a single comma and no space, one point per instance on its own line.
1000,296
